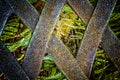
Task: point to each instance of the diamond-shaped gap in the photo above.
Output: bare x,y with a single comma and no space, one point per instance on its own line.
15,36
70,29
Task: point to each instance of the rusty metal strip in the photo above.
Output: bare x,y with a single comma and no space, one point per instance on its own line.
5,11
93,35
109,41
62,52
41,35
8,64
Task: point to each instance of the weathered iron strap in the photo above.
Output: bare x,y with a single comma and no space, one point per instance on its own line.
93,34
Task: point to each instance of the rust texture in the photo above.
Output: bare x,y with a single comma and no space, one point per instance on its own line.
93,35
65,60
41,35
107,41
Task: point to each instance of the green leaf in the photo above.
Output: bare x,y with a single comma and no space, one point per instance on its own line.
66,8
57,76
22,42
100,70
48,58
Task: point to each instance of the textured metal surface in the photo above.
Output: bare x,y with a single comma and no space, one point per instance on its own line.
64,60
41,35
110,42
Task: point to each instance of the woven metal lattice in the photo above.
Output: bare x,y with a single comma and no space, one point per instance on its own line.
44,41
